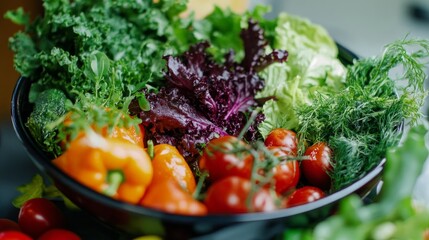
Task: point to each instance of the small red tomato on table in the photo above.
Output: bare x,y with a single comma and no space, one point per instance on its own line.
59,234
38,215
7,224
14,235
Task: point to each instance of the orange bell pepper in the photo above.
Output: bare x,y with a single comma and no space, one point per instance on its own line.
168,163
114,167
132,134
167,195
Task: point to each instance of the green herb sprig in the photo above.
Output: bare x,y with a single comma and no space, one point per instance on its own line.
368,116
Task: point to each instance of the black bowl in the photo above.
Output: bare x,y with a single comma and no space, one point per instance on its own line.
137,220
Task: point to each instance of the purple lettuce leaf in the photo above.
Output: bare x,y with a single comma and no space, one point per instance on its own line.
204,99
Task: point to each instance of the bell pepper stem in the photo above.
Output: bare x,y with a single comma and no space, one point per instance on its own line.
150,149
114,179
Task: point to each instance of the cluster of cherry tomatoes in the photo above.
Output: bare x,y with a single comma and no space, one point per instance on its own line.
242,177
247,178
39,218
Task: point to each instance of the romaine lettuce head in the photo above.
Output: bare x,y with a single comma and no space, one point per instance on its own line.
312,68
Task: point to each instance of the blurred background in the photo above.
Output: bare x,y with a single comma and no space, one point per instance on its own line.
12,153
362,26
7,28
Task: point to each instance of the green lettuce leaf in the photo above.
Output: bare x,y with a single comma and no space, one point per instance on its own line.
222,29
312,67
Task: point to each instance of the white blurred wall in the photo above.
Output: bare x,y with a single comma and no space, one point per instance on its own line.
363,26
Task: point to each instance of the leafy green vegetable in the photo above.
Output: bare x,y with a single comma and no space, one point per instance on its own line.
222,29
37,189
18,17
312,67
33,189
393,216
99,53
49,105
362,121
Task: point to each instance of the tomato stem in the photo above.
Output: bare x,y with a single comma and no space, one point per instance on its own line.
200,183
114,179
248,123
253,179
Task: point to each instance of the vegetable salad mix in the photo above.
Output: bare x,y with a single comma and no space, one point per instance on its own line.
262,107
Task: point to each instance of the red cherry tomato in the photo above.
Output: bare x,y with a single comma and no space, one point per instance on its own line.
38,215
284,138
13,235
286,174
59,234
304,195
7,224
220,162
230,195
316,169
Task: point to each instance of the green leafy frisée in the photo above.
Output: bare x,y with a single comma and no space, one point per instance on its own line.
365,119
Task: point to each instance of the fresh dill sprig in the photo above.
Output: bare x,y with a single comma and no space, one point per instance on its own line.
362,121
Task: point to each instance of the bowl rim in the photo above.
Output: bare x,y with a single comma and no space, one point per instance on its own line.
20,97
